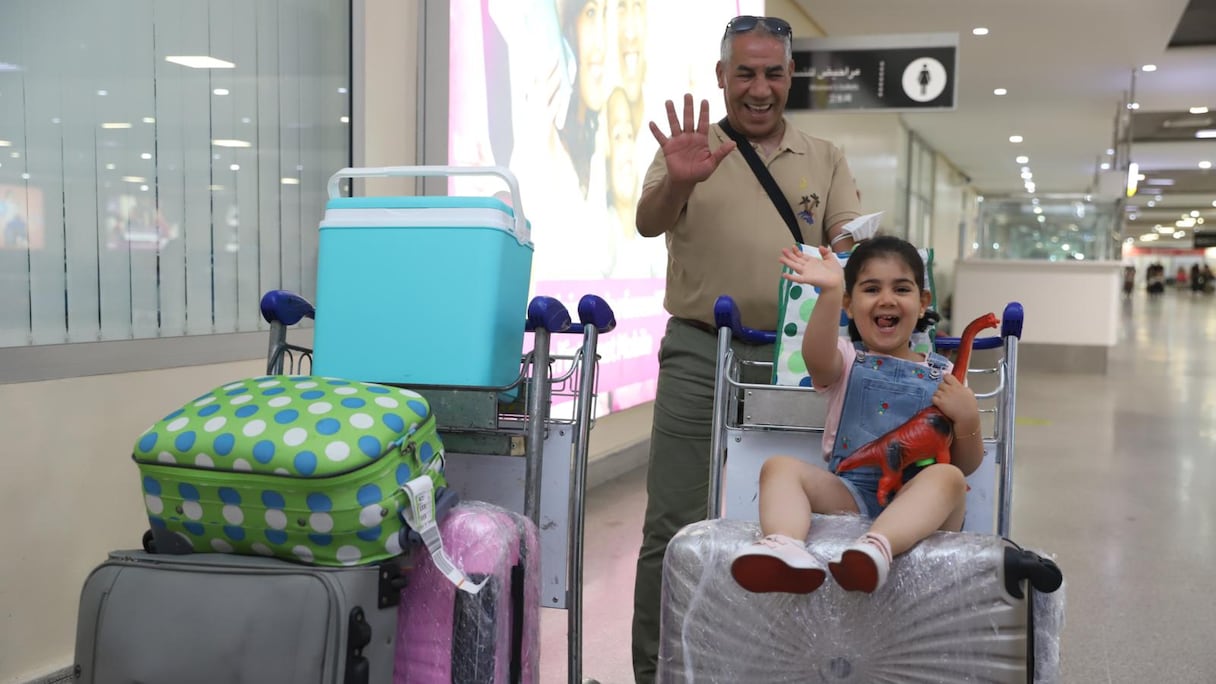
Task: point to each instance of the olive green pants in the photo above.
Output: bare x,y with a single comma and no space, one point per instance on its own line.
677,484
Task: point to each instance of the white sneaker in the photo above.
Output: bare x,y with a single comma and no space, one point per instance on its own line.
777,563
864,565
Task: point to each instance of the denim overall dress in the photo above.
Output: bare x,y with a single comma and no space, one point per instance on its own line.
883,393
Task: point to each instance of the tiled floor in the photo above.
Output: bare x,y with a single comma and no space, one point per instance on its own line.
1115,475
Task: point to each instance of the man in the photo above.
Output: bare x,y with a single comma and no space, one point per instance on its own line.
724,236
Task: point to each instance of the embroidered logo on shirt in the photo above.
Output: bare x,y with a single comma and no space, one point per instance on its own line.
809,204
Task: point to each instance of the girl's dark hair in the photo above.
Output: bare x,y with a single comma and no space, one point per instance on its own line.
887,246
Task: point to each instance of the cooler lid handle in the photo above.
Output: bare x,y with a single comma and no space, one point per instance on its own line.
521,225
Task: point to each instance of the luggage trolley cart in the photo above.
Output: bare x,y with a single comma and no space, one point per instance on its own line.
522,444
752,422
957,607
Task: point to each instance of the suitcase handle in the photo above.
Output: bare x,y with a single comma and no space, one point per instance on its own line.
517,207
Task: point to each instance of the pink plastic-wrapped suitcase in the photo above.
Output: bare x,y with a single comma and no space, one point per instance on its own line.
445,634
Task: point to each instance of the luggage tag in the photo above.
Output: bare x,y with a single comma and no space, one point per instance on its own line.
420,516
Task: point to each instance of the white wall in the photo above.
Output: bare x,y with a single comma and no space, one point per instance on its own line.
875,147
1066,303
950,190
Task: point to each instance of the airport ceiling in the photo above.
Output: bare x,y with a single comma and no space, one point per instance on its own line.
1070,68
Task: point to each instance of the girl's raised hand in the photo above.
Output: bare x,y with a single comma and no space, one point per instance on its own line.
824,272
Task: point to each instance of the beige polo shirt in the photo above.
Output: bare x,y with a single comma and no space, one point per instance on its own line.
729,236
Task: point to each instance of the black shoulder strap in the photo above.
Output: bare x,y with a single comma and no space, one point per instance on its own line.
765,178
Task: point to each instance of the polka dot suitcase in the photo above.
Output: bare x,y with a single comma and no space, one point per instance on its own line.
298,467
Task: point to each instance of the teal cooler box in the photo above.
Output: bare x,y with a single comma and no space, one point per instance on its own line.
428,290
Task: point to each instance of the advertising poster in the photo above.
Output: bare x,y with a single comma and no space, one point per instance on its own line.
562,93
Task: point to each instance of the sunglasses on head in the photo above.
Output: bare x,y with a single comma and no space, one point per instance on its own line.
747,22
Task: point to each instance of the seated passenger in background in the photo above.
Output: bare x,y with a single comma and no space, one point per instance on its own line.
874,383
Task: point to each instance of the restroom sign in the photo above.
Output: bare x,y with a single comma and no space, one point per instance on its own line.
900,72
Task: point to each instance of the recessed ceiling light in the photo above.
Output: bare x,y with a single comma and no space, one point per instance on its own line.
1149,67
221,142
1017,138
200,62
145,155
1199,110
1022,159
1205,164
1209,133
220,91
289,181
1000,91
134,179
1110,150
979,31
6,143
1105,166
115,125
1134,105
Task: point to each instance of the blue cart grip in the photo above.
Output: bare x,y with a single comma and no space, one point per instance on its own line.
943,343
726,315
593,310
1011,320
548,313
286,307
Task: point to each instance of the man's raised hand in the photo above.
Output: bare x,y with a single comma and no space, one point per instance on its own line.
689,159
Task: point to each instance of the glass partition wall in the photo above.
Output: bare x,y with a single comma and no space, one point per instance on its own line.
162,163
1050,228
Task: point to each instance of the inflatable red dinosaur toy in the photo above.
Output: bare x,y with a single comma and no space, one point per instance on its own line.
928,434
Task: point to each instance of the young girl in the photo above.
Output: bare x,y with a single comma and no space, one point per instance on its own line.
873,383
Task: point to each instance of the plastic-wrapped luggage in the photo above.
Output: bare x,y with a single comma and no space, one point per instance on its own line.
954,609
209,617
304,468
491,637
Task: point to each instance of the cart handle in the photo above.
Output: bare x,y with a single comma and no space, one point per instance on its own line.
550,314
1011,326
726,315
522,233
286,307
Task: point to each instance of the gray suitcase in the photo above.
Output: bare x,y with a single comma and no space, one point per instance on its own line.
954,609
207,618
